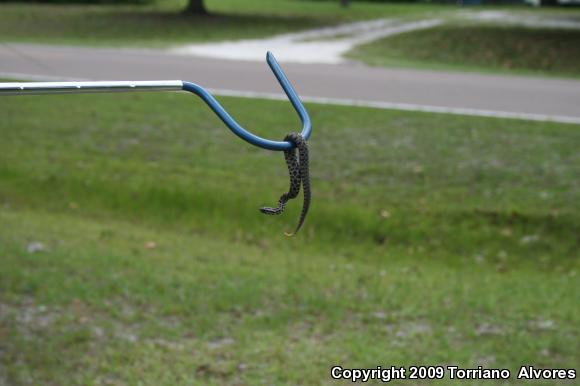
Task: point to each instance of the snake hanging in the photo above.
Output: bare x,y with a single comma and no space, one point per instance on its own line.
299,175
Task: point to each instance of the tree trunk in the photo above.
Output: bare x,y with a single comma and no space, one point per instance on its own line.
344,3
196,7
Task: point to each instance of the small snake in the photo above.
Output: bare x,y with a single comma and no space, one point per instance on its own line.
299,175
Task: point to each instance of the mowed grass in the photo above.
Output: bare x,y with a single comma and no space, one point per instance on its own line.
507,49
132,250
163,22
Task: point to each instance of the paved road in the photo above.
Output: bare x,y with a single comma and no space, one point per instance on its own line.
477,94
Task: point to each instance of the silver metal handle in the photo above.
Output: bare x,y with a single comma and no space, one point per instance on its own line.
33,88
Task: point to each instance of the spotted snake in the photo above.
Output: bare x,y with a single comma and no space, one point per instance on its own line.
299,175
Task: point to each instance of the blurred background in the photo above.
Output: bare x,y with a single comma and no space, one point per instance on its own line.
445,222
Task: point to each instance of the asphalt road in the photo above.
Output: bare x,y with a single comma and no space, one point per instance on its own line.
469,93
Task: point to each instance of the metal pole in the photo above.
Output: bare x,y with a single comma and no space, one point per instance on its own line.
34,88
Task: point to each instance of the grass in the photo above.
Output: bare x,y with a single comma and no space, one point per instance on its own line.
479,48
163,23
432,239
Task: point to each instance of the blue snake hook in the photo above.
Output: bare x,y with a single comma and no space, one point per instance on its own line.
32,88
243,133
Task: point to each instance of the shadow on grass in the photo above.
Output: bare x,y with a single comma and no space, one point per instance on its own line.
216,24
127,26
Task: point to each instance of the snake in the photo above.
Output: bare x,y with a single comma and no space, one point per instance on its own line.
299,176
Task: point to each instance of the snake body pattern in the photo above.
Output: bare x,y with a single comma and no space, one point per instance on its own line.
299,176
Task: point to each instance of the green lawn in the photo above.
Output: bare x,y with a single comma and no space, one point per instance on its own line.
132,250
506,49
163,23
